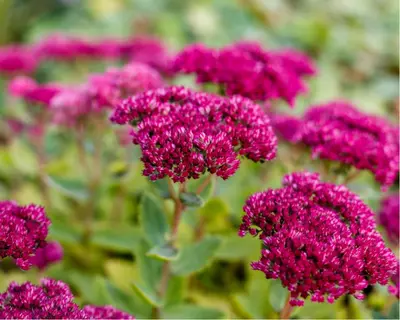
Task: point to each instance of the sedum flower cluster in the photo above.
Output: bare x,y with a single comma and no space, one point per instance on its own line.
389,217
319,239
245,68
23,231
183,134
337,131
50,300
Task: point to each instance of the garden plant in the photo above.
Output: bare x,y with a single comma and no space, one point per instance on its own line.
205,180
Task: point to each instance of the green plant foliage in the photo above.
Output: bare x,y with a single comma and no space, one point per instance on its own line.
196,256
153,220
191,199
185,311
71,188
123,239
165,252
117,228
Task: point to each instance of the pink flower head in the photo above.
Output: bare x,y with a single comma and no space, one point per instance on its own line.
20,86
50,300
110,48
183,133
66,47
286,127
319,239
69,105
298,61
338,131
23,230
46,256
109,88
200,60
395,288
389,217
17,60
149,51
246,69
105,312
33,92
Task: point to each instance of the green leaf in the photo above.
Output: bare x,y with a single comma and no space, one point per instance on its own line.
215,207
190,311
131,303
149,295
191,199
164,252
149,268
118,169
234,248
394,311
175,291
378,315
92,289
123,239
73,188
24,159
277,295
153,220
161,186
195,257
65,233
254,303
207,192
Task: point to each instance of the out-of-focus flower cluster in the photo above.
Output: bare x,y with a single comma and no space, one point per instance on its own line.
389,217
32,92
51,253
338,131
183,133
51,300
245,68
68,104
319,239
16,60
23,230
24,59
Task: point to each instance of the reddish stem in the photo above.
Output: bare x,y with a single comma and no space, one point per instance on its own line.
287,309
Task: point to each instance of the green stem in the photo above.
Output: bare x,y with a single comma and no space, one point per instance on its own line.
39,145
199,232
166,272
94,180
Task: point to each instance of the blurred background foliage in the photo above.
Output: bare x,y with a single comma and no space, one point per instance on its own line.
355,44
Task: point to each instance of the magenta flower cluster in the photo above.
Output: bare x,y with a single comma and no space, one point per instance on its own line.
286,127
68,105
23,230
51,300
105,312
245,68
319,239
389,217
32,92
338,131
49,254
103,91
183,133
18,59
